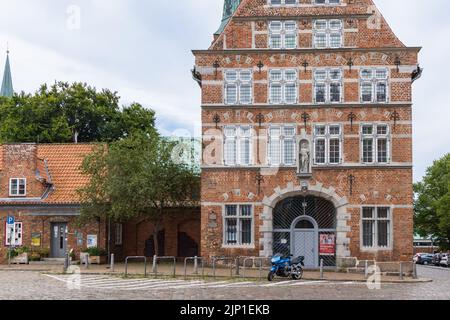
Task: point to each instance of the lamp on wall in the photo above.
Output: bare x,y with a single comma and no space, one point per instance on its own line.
351,181
398,62
350,64
260,118
259,179
351,118
395,116
305,65
306,117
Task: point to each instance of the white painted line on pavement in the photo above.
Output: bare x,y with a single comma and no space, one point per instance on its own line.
306,283
145,285
275,284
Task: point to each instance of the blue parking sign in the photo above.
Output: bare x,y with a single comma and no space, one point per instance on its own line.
10,220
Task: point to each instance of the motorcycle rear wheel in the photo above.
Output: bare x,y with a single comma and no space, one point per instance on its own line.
271,276
298,275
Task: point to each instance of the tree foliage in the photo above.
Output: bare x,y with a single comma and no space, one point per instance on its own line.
137,178
432,204
67,112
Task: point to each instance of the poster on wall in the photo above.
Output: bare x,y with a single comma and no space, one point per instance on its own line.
92,241
36,239
327,244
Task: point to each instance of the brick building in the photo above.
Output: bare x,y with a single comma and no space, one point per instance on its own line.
38,187
307,133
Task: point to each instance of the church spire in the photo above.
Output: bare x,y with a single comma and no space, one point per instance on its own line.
7,86
229,8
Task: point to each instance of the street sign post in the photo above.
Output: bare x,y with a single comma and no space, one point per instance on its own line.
10,221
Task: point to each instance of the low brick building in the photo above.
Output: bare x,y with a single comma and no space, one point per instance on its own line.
307,133
38,187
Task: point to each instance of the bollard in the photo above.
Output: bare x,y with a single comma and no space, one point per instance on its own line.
321,269
112,263
415,271
86,257
237,266
196,265
401,271
154,269
366,269
66,262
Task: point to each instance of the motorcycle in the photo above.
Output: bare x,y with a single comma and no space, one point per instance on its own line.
286,267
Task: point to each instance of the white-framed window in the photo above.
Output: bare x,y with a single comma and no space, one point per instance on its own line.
283,35
328,144
282,2
283,86
238,86
328,33
328,86
374,83
14,234
282,145
326,2
118,234
375,143
238,145
17,187
238,225
376,227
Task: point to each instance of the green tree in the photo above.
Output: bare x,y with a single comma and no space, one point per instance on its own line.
70,112
432,203
137,178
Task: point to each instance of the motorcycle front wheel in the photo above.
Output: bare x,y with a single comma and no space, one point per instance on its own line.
271,276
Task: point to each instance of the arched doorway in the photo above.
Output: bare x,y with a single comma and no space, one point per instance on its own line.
306,226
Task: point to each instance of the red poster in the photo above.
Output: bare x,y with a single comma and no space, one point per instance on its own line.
327,244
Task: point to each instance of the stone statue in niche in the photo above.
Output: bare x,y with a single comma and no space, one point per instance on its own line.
304,158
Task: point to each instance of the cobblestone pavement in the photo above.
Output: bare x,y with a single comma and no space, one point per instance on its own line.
34,285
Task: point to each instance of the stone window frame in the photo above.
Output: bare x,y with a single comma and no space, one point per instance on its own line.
281,139
327,82
238,83
328,32
283,83
375,136
327,137
238,139
374,81
390,219
239,217
282,33
18,181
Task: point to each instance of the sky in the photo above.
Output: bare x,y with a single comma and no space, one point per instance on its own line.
142,49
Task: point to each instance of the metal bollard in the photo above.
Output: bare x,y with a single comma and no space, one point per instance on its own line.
366,269
154,269
112,263
66,262
401,271
415,271
321,269
86,261
196,265
237,261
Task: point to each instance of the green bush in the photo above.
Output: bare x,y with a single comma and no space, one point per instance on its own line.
96,252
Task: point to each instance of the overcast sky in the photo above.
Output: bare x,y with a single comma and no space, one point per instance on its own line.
142,49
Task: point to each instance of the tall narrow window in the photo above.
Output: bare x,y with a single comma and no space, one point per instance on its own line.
237,146
327,86
283,86
328,34
238,87
375,143
374,85
238,225
283,35
282,146
327,144
376,227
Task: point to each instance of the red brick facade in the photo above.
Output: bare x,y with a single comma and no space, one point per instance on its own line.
351,184
53,176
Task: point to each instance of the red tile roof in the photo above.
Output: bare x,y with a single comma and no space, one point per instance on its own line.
64,167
